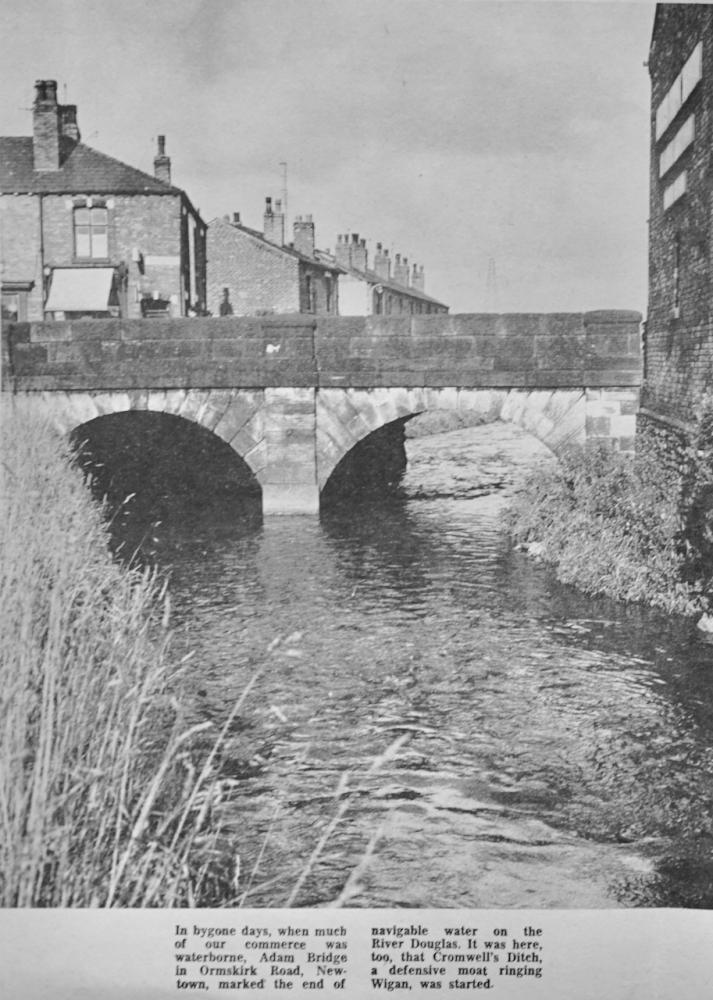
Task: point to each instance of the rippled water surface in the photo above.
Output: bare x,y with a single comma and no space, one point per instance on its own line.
466,730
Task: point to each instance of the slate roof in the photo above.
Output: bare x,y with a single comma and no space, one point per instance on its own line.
372,278
83,171
289,250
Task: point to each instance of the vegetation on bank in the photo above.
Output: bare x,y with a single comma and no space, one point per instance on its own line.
104,799
635,528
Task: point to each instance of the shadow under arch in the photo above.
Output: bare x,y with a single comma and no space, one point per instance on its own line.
167,464
373,468
556,417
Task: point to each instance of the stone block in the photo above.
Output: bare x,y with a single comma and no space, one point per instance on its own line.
242,408
290,498
597,426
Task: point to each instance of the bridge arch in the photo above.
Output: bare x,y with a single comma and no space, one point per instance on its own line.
557,417
233,415
293,438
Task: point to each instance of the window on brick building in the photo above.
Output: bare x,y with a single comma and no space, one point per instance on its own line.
680,90
91,239
14,300
678,145
675,190
310,297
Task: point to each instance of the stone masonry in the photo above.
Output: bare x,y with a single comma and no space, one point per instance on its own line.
293,394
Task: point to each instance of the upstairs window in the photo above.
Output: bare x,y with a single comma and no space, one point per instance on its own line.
90,233
675,190
678,145
680,90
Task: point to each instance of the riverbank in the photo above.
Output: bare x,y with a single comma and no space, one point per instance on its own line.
103,797
614,525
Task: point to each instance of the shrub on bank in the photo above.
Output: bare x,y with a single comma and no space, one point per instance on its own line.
617,525
100,801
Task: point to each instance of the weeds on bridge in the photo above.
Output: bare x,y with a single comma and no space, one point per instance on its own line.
102,801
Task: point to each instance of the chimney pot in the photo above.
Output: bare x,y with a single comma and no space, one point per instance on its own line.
162,163
304,235
274,223
236,218
46,126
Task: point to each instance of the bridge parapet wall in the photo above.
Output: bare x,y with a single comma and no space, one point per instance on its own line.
528,350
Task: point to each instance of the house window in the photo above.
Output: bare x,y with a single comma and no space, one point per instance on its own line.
678,145
674,191
14,301
91,233
680,90
309,293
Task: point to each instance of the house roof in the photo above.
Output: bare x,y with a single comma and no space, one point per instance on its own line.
372,278
315,261
83,170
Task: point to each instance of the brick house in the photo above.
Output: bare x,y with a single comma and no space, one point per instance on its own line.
376,290
253,273
83,234
678,349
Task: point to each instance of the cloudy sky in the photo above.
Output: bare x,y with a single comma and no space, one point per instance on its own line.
452,131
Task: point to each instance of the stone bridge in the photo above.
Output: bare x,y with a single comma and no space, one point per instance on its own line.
292,395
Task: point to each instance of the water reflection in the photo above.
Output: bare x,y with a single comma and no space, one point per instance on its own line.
513,742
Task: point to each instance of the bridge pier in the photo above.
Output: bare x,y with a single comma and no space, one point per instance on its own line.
286,463
290,498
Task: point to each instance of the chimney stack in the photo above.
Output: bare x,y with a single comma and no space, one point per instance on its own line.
417,278
342,251
274,223
401,270
382,263
46,126
359,254
304,235
162,163
236,218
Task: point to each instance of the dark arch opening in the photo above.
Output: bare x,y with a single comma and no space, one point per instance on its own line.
168,466
373,468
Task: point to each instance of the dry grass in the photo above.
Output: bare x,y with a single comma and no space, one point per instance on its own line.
101,802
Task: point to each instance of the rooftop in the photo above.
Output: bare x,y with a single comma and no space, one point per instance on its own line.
82,170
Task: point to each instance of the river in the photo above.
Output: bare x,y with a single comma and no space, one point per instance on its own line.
459,729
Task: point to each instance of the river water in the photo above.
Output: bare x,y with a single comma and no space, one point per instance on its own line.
435,717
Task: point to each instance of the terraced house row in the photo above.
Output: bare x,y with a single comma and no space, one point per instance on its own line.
84,235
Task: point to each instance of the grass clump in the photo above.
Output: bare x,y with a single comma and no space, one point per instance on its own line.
101,800
619,525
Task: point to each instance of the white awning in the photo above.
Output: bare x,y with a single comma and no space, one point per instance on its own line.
80,289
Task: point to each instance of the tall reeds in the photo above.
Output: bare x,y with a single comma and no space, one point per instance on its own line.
101,801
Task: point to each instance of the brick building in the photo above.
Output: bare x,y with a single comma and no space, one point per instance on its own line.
678,353
83,234
377,290
253,273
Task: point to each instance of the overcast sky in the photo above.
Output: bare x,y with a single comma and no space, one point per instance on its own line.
452,131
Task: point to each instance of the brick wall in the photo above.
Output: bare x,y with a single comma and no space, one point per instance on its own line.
153,225
678,364
20,257
263,279
260,277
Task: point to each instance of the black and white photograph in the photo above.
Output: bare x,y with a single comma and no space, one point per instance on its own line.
357,482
